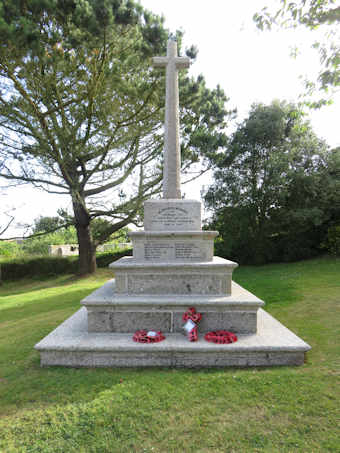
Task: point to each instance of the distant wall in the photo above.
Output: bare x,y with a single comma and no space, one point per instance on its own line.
63,250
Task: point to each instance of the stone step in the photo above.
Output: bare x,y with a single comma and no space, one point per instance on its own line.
176,278
72,345
109,311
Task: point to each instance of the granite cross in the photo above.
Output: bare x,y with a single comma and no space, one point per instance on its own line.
172,152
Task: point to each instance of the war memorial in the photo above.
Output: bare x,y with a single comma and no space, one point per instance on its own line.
173,268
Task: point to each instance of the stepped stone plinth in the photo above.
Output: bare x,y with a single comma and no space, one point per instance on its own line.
173,267
109,311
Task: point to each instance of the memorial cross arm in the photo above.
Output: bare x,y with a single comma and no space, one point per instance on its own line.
159,62
182,62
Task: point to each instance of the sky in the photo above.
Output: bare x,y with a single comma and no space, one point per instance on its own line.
250,65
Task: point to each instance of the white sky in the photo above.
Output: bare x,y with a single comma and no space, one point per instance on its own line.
250,65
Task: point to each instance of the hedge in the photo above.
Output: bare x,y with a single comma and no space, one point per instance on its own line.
46,266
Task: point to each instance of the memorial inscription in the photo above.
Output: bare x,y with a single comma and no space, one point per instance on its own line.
174,251
157,250
173,217
188,250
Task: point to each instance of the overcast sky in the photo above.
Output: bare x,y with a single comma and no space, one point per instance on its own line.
250,65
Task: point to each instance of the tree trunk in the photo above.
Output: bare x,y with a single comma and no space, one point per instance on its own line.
87,248
87,251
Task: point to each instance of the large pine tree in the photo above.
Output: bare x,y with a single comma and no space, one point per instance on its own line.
81,109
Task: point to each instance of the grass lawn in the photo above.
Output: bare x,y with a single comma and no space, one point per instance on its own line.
165,410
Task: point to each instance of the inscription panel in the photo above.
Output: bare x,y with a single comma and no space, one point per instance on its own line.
176,215
176,251
158,251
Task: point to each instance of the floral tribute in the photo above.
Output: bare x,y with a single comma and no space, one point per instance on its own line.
221,337
144,336
191,319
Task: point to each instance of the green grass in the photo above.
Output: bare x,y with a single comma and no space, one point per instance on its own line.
163,410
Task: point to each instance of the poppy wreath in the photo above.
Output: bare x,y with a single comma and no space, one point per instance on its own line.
221,337
142,336
192,315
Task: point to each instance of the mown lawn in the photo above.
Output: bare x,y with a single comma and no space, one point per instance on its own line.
165,410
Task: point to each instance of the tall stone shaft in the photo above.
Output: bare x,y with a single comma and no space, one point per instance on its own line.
172,151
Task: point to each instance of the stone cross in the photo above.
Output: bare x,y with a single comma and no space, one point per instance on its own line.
172,152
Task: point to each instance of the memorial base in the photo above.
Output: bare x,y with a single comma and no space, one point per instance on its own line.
72,345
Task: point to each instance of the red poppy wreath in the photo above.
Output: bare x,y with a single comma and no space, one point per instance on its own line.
144,336
221,337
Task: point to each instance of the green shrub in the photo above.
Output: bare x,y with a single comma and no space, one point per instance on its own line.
39,245
9,249
42,266
332,243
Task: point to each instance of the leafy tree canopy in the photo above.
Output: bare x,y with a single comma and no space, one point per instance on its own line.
276,187
81,109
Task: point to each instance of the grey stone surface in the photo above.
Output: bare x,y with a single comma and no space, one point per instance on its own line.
169,359
172,152
176,284
99,320
240,322
167,246
72,345
172,215
106,296
134,277
218,264
127,321
109,312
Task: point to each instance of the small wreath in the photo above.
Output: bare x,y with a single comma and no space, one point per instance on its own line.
221,337
191,319
144,336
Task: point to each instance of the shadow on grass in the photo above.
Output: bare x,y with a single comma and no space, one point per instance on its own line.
37,283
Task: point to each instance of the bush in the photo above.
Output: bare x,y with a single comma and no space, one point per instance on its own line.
46,266
38,267
39,245
9,249
332,243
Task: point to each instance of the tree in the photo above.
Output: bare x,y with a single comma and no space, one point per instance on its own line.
276,187
81,110
313,14
45,224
